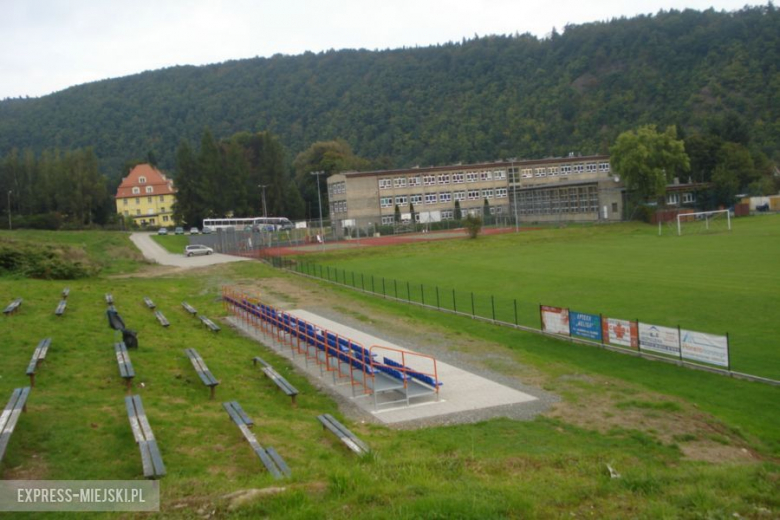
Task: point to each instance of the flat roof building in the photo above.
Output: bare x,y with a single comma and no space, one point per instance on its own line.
545,190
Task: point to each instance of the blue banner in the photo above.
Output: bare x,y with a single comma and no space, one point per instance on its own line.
586,326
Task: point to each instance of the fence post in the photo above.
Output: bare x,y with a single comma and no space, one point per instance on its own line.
395,284
422,294
408,293
728,352
362,282
454,302
384,295
437,298
328,273
679,342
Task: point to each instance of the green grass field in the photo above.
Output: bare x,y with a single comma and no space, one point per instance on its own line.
646,417
716,283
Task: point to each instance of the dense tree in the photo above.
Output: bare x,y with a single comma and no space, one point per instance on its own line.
324,156
55,188
480,99
648,160
227,177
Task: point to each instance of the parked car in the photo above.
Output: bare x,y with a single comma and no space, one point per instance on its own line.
197,249
207,230
162,231
179,231
194,231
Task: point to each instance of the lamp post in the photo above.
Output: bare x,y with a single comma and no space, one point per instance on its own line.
263,187
319,198
10,227
516,179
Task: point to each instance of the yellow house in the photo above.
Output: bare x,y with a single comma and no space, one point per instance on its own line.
146,195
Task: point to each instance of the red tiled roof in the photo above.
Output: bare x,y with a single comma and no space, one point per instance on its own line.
155,178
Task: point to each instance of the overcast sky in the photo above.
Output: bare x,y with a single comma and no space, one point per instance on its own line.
49,45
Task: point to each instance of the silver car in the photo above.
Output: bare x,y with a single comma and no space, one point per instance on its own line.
197,249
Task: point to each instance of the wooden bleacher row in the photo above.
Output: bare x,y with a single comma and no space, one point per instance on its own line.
16,304
341,356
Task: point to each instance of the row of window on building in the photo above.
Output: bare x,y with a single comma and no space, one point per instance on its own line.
564,169
478,176
126,201
443,197
149,212
442,178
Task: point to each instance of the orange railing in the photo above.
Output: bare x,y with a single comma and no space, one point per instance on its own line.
335,354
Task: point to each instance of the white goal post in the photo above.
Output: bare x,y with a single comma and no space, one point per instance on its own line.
703,217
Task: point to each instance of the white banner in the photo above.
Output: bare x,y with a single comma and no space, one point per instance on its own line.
656,338
707,348
620,332
555,320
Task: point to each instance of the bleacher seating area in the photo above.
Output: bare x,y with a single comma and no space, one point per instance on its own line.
370,371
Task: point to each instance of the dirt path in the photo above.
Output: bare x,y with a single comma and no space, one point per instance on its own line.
156,253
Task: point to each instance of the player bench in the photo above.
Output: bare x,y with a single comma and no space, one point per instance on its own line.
13,306
126,370
37,358
149,303
60,310
272,461
280,381
16,405
189,308
161,318
203,371
339,430
150,454
210,324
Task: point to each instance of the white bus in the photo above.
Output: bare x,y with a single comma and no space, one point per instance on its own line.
249,224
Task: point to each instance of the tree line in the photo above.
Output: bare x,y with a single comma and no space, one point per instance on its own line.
54,189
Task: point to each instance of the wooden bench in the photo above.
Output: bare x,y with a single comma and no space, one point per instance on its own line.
61,307
203,371
189,308
150,453
10,416
344,435
281,382
37,358
65,293
268,456
149,303
109,299
257,360
210,324
162,319
125,365
13,306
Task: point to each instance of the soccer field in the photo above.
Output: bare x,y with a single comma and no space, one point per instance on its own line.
719,283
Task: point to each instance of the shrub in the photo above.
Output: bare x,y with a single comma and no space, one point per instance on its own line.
473,225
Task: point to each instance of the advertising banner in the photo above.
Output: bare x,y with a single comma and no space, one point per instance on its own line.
584,325
555,320
620,332
664,340
706,348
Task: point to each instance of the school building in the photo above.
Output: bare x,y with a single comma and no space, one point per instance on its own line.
570,189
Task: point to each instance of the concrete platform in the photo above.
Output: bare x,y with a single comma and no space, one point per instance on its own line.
461,391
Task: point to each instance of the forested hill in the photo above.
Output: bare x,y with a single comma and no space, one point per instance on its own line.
480,99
